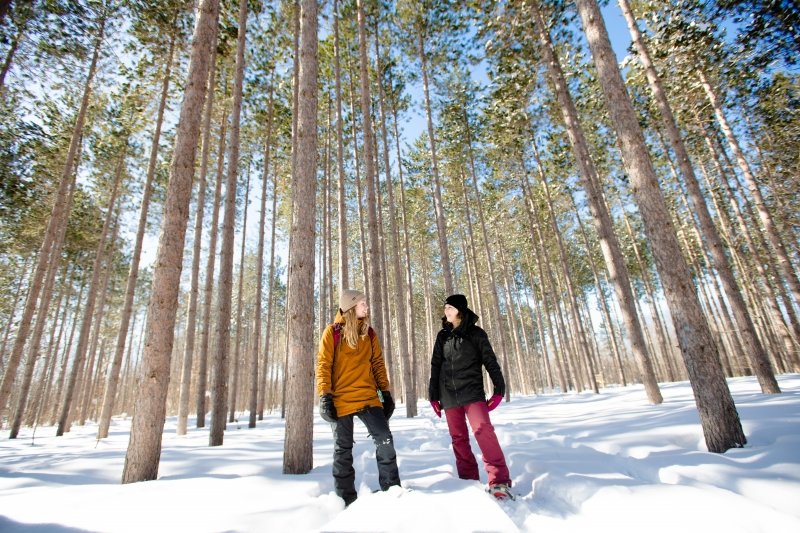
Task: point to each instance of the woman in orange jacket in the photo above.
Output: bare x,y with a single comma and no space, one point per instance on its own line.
351,374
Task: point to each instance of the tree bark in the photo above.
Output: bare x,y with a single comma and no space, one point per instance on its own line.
752,346
144,449
58,216
769,299
582,344
197,239
405,357
208,290
370,177
93,365
221,353
359,201
344,270
298,444
615,348
409,282
771,229
41,319
235,365
112,382
91,299
255,349
441,225
718,416
609,244
271,274
501,335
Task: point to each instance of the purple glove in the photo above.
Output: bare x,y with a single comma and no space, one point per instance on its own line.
437,407
494,401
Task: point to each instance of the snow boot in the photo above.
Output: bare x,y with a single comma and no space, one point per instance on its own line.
501,492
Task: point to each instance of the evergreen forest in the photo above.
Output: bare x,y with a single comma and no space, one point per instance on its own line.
187,186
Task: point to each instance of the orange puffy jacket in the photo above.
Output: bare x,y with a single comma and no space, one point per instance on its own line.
353,375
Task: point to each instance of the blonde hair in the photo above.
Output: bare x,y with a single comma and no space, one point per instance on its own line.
354,327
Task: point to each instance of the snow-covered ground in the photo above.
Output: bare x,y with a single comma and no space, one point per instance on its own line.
579,462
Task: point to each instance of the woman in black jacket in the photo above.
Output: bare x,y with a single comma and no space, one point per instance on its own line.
460,353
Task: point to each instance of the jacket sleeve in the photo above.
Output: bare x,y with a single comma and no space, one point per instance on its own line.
324,368
378,365
490,361
436,370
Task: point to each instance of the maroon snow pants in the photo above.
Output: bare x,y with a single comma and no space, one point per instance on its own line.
493,459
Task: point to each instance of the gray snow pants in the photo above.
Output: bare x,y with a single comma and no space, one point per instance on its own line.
344,475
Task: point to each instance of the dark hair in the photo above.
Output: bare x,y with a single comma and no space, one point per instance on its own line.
445,322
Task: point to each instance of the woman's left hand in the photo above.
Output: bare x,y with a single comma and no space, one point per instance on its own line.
494,401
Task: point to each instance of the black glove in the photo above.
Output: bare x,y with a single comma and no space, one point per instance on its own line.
326,408
388,404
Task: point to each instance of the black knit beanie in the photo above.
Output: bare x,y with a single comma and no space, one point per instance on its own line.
459,301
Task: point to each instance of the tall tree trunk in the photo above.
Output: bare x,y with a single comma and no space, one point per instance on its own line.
222,343
97,321
506,353
527,357
441,225
57,328
91,299
144,449
752,346
58,216
718,416
127,371
471,253
41,320
547,281
255,349
112,382
344,271
67,349
271,274
359,201
235,365
663,347
405,357
763,212
409,282
519,374
609,244
370,176
197,240
298,457
761,250
776,318
326,274
383,268
589,374
208,290
297,11
615,348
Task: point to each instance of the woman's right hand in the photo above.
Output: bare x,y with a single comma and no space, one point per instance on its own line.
437,407
326,408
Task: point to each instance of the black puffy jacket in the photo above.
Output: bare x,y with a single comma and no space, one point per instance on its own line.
459,356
